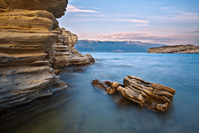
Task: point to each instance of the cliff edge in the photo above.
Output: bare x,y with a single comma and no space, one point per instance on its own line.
32,49
175,49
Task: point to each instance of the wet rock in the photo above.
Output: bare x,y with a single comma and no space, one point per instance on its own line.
154,96
91,59
79,69
108,86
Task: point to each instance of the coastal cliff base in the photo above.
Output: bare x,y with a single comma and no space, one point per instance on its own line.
32,50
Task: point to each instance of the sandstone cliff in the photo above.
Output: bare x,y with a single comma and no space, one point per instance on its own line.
175,49
32,47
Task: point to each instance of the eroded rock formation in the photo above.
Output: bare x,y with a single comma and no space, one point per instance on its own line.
30,50
154,96
64,52
175,49
56,7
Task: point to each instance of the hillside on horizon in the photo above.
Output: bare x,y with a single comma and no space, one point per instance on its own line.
115,46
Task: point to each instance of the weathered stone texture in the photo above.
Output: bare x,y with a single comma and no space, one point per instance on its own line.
64,52
25,71
154,96
32,49
56,7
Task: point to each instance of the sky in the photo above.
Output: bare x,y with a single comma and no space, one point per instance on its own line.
171,22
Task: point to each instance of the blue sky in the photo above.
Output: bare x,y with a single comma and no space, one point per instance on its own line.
171,22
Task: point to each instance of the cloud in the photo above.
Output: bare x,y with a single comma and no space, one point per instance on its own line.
152,37
196,31
72,8
167,8
148,30
133,21
168,30
107,17
152,30
138,21
142,25
177,16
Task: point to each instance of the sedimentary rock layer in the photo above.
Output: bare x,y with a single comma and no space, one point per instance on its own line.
154,96
56,7
64,52
32,49
25,71
175,49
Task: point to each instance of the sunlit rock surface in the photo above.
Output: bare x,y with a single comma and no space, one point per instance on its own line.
175,49
64,52
110,87
32,49
56,7
154,96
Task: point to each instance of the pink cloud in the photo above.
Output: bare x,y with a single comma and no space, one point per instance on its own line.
148,30
168,30
169,38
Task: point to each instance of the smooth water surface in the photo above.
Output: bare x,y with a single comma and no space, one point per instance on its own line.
91,111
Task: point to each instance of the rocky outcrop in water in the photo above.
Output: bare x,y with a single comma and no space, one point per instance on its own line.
64,52
154,96
31,50
175,49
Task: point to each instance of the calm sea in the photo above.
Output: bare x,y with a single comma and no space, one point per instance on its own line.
84,109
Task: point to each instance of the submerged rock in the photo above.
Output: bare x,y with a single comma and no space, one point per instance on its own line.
79,69
154,96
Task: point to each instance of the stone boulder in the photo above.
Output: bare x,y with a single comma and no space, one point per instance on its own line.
154,96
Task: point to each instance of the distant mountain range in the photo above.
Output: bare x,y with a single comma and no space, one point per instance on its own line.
114,46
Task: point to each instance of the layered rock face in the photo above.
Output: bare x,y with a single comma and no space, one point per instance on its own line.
154,96
175,49
29,49
56,7
64,52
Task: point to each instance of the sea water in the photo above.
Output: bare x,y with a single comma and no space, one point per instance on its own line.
90,110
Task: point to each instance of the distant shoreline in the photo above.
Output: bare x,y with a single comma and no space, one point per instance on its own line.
175,49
